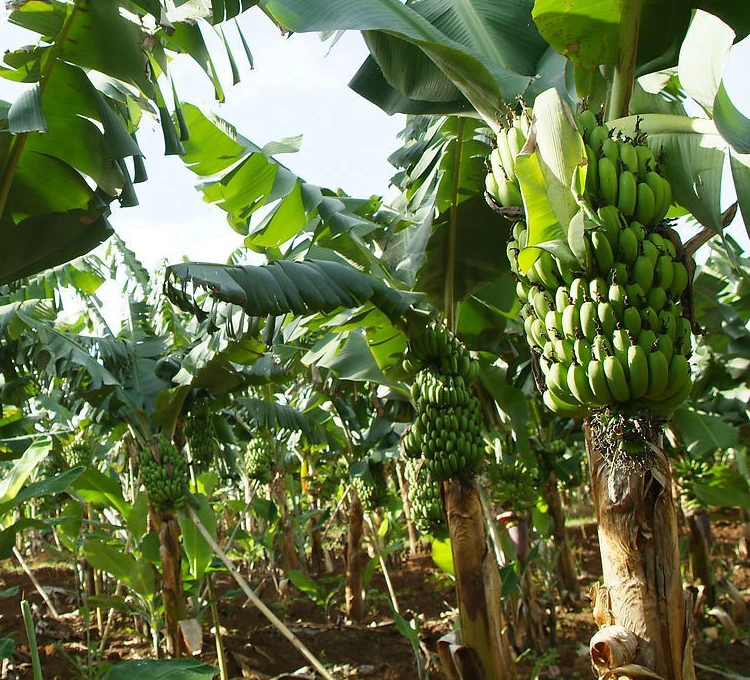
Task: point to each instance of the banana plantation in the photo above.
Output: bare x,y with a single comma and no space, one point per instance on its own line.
490,424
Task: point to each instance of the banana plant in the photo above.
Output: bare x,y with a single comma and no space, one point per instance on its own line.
76,120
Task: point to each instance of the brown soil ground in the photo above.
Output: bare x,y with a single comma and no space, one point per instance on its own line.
374,648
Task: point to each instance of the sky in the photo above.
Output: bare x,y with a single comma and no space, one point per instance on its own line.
298,87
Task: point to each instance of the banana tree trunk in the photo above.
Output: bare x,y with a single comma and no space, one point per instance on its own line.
173,594
566,564
478,583
289,556
699,551
641,598
356,558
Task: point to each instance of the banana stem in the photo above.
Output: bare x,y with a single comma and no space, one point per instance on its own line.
624,74
450,275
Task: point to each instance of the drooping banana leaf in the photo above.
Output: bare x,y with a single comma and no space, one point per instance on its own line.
490,51
279,288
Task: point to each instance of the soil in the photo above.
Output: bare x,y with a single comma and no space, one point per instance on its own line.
371,649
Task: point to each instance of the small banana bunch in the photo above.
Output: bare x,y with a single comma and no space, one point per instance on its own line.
77,454
259,461
447,431
501,182
613,330
424,496
623,173
164,473
199,431
372,491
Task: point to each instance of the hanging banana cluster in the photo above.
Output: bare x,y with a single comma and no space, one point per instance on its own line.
199,431
613,330
424,497
372,490
77,454
164,473
259,460
501,182
447,431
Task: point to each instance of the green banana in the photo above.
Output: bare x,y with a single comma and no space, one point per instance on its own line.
607,318
617,297
563,351
656,298
586,122
647,339
664,271
679,280
562,298
571,320
643,272
589,320
678,374
611,219
627,248
578,384
597,137
632,321
637,363
553,322
602,250
668,406
646,160
639,229
650,319
629,157
616,379
582,351
598,289
645,206
627,193
608,183
592,172
611,149
649,250
668,324
619,273
556,378
665,345
579,291
658,371
598,383
557,405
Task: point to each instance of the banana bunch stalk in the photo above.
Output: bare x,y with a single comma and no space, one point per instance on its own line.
612,331
164,473
447,431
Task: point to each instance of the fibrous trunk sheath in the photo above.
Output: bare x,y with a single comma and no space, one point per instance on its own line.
478,582
638,533
356,558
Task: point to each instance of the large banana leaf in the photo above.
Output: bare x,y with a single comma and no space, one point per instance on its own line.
489,50
280,288
89,81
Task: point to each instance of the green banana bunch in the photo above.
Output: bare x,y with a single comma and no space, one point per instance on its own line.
424,497
501,182
259,461
372,490
199,431
77,454
447,431
624,173
164,472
